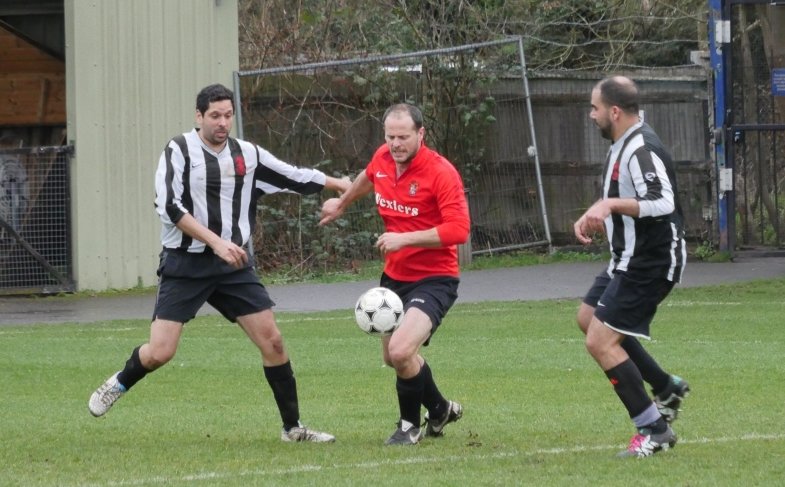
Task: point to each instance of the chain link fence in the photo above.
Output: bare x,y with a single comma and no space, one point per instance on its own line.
35,231
328,115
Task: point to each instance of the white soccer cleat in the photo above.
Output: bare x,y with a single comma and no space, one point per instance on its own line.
105,396
301,433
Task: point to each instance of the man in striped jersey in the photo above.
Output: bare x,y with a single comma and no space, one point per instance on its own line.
207,184
641,216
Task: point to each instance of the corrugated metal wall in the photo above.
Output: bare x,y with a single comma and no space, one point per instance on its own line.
133,69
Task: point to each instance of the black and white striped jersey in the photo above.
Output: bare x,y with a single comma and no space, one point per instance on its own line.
220,190
653,243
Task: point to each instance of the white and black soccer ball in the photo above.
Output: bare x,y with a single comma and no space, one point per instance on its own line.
379,311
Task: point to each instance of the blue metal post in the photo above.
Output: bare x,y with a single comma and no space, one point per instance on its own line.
718,28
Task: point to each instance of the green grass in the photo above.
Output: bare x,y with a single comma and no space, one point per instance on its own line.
538,411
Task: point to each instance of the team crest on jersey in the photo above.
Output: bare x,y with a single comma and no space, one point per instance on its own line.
239,165
615,173
413,187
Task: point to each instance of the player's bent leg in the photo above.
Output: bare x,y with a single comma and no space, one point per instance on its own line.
602,343
164,337
263,331
402,348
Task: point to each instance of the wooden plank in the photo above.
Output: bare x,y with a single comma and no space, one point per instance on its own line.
32,100
17,55
31,66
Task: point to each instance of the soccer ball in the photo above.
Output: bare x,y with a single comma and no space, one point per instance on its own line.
379,311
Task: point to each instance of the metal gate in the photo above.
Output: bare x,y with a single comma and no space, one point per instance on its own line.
35,229
753,34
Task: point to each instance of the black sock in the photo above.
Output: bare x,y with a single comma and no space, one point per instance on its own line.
410,394
284,386
650,370
133,371
658,426
628,384
432,398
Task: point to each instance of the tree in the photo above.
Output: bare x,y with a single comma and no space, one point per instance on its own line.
760,49
336,114
559,34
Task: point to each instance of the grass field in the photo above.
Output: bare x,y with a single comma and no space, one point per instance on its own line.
537,410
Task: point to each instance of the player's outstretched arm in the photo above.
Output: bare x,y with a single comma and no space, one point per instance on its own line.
341,185
333,208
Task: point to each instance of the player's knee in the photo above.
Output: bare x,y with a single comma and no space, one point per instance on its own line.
158,356
398,356
595,346
275,345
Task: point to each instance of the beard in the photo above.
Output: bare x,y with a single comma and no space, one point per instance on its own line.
403,157
605,130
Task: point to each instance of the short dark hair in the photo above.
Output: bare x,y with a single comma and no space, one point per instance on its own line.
621,92
412,110
213,93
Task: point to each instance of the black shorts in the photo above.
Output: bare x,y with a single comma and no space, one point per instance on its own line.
186,281
627,303
434,296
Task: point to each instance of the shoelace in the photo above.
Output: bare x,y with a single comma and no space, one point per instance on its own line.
109,394
302,433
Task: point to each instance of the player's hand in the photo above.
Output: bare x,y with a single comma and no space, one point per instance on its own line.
330,211
591,222
390,242
581,232
231,253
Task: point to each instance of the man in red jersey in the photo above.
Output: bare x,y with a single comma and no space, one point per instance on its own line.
419,195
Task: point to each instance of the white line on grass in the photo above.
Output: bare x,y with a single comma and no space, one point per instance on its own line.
671,304
208,476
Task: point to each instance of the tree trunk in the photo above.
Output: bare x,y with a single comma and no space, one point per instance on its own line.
772,19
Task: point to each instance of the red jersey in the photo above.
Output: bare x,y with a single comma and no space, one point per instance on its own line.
428,194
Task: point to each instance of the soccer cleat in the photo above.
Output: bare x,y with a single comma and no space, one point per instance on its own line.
669,405
105,396
301,433
645,443
434,427
405,434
